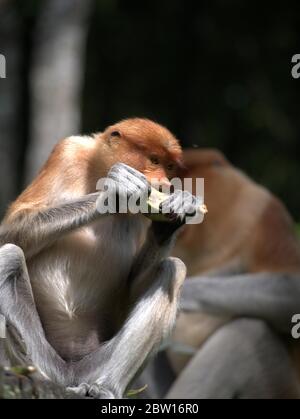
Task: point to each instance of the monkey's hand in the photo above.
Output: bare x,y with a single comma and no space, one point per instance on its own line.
181,207
126,187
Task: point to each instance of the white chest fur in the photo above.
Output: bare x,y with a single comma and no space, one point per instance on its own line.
87,266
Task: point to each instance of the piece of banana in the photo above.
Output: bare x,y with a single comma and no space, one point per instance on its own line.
155,199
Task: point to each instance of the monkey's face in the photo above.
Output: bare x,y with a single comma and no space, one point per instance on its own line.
146,146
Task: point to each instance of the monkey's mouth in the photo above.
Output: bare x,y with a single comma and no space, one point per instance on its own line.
155,200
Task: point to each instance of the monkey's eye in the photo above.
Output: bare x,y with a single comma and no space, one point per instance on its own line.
154,160
115,134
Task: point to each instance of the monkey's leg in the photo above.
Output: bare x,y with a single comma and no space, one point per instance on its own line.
243,359
111,369
160,239
158,243
272,297
18,307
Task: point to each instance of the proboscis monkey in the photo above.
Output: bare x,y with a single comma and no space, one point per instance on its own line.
242,291
87,297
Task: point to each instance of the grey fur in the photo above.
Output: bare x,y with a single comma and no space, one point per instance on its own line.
247,357
243,359
154,282
273,297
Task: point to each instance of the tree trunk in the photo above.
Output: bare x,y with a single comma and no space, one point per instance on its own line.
9,104
56,76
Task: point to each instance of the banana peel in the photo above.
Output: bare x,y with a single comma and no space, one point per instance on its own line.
154,212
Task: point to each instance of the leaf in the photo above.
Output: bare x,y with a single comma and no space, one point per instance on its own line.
22,370
132,393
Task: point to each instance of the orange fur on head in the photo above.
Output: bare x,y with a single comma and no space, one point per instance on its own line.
144,145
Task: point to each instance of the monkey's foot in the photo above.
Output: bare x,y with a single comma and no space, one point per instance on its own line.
93,391
81,390
97,391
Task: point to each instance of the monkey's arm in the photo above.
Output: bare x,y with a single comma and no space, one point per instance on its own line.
35,230
160,238
273,297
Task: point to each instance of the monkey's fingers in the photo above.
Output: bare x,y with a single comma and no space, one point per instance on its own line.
128,180
168,208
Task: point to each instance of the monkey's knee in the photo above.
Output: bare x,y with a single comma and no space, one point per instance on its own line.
243,359
12,260
173,273
11,250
